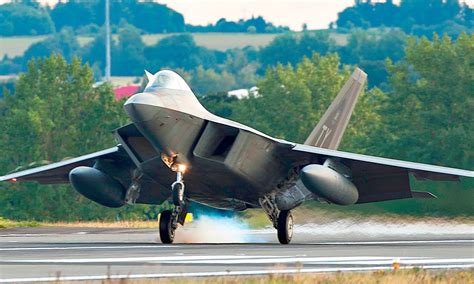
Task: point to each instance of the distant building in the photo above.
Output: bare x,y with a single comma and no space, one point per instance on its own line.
243,93
239,94
125,91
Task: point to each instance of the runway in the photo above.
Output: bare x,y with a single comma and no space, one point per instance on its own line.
49,254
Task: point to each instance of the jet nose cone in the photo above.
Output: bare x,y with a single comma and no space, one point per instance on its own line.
142,106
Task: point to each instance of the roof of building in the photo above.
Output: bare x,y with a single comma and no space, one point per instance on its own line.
125,91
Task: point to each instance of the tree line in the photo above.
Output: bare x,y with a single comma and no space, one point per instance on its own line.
417,17
238,67
426,116
86,17
368,48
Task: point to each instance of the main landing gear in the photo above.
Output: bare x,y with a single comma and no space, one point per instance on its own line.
169,219
285,227
282,219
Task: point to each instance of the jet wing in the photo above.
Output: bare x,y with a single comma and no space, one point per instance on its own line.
58,173
379,179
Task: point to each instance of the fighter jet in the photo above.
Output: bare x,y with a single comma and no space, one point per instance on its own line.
175,150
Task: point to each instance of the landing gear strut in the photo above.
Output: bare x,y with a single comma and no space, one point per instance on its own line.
169,219
282,219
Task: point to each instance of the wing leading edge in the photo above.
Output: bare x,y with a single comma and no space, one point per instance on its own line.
58,173
380,179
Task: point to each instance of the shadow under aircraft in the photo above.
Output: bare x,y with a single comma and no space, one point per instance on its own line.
176,150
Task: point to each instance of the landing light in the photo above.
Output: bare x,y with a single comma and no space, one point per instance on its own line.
13,180
179,168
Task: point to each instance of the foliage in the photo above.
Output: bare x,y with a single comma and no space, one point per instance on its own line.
369,51
219,103
179,51
64,43
129,55
291,48
204,81
432,102
142,15
252,25
421,17
5,223
54,113
292,99
24,19
29,18
428,117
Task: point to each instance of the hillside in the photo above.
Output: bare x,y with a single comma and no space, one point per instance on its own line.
17,45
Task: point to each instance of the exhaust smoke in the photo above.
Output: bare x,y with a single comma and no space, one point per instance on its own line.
216,229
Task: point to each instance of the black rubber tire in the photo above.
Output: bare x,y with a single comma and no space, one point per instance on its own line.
177,201
285,227
166,229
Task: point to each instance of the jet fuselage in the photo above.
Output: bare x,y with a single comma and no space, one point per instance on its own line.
229,165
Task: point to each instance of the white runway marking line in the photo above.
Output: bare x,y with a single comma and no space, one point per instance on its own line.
30,235
403,261
290,259
86,247
394,242
135,259
240,259
219,273
177,245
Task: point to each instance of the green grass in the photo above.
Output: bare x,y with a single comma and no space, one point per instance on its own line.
221,41
16,45
6,224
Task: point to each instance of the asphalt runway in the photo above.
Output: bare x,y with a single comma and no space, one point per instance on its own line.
49,254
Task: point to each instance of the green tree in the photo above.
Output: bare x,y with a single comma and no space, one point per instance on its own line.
428,117
24,19
206,81
179,51
291,48
55,113
141,14
433,102
128,55
369,51
63,42
291,100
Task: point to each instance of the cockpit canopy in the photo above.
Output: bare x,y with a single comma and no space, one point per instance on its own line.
166,79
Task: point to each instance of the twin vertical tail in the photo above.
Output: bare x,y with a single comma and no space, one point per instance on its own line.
330,129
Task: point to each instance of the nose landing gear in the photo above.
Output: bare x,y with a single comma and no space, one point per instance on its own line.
177,189
169,219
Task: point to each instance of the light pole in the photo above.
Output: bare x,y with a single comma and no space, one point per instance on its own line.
107,41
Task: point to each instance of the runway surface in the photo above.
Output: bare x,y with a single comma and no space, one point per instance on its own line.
49,254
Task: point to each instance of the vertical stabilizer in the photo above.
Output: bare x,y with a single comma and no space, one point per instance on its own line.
328,132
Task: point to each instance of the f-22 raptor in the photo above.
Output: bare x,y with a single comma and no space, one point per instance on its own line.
176,150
